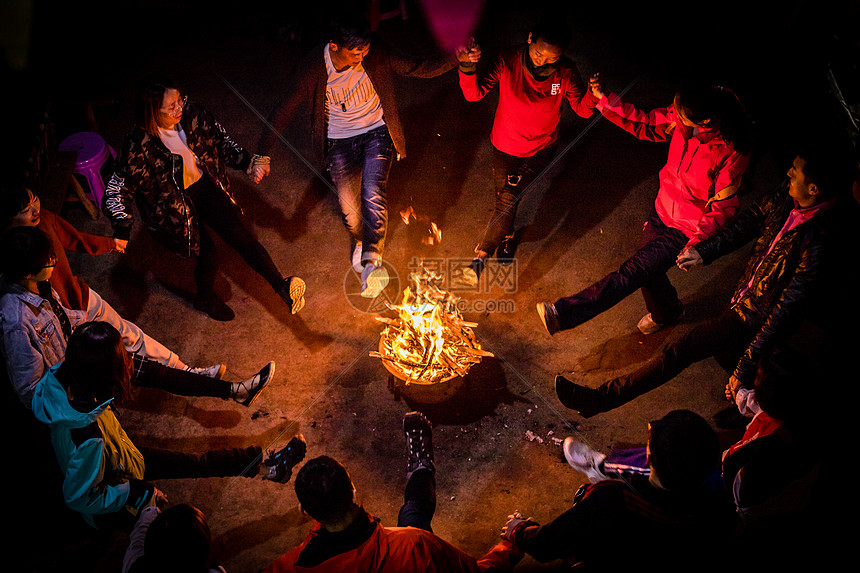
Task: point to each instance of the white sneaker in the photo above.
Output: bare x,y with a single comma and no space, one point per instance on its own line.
374,279
356,258
215,371
583,459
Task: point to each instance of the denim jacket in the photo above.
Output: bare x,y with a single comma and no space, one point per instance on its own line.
31,337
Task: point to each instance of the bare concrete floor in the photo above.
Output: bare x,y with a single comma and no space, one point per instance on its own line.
578,224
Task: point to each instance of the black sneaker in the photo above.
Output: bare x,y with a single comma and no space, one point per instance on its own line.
255,384
292,290
419,443
216,308
506,251
282,462
579,398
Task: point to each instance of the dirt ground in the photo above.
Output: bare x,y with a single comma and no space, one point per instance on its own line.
497,440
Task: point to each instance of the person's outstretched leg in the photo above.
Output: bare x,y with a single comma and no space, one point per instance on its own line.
151,374
419,503
656,256
727,333
168,464
215,209
136,340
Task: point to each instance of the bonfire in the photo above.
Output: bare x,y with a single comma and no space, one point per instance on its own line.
429,341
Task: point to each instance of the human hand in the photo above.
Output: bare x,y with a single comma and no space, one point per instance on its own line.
514,520
259,168
595,86
120,245
468,54
688,258
158,499
732,388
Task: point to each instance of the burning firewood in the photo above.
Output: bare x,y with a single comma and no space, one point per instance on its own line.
428,341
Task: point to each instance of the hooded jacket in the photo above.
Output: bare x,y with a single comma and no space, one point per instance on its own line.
148,173
100,464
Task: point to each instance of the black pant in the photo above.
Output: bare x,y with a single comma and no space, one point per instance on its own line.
215,210
645,270
419,501
168,464
726,334
150,374
512,177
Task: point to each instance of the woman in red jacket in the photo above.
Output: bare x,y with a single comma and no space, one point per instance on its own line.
708,157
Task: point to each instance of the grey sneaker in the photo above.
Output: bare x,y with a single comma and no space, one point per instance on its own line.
584,460
215,371
472,273
356,258
374,279
292,290
419,443
281,463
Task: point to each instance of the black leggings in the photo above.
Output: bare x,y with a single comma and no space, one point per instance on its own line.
150,374
215,210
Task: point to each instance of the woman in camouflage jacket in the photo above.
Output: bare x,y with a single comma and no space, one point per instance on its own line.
174,166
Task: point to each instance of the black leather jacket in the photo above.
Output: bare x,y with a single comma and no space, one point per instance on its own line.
783,281
148,172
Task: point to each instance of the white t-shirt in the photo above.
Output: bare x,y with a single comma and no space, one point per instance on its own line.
352,105
174,139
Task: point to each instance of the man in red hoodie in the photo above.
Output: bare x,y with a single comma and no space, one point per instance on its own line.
533,81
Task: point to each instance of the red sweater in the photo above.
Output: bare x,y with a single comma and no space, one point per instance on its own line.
74,292
529,110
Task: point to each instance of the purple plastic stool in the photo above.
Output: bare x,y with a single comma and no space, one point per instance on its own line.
92,153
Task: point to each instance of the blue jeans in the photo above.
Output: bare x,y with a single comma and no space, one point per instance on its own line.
645,270
359,168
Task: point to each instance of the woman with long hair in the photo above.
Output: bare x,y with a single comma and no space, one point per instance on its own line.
106,477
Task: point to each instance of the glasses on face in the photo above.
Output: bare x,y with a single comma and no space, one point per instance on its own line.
52,262
176,108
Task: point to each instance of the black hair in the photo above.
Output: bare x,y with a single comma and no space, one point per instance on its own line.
178,540
350,31
97,365
552,30
828,165
324,490
701,101
781,384
13,199
684,450
24,251
149,99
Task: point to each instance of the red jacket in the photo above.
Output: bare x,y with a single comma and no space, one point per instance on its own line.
397,550
529,110
697,168
74,292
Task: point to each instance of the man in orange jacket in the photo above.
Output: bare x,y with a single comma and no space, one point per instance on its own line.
348,538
